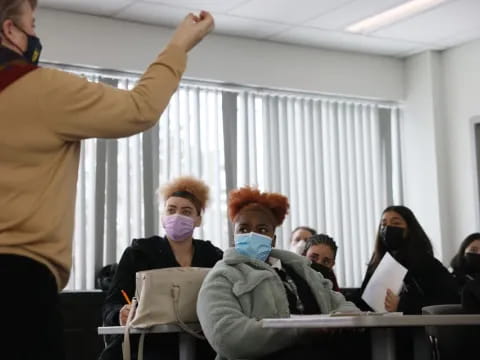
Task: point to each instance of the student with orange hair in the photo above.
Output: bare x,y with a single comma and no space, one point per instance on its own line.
255,281
185,201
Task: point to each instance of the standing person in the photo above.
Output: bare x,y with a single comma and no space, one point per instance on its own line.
185,199
255,281
44,113
298,237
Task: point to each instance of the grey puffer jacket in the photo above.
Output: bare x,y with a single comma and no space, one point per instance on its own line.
239,291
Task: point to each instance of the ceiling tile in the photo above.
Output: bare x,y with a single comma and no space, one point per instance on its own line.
209,5
349,42
163,15
353,12
94,7
441,23
286,11
238,26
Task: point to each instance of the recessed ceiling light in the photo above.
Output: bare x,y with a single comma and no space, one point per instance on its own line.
392,15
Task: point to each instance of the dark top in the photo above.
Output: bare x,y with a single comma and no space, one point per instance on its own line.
299,295
463,277
147,254
427,282
327,274
471,296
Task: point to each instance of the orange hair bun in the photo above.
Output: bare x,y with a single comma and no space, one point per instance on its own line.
275,203
190,185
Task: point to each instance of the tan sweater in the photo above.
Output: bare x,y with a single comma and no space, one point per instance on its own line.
43,117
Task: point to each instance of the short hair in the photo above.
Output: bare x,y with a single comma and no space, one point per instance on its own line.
187,187
276,204
321,239
305,228
11,9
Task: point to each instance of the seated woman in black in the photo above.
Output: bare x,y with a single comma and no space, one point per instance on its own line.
466,270
427,281
185,200
466,263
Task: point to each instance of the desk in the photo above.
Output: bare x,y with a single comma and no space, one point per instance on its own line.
186,342
383,339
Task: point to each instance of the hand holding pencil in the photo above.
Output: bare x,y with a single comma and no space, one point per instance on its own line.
125,310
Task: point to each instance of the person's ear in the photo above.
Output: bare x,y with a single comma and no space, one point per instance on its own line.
198,221
274,241
7,30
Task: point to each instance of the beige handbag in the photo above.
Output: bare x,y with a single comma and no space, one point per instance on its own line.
164,296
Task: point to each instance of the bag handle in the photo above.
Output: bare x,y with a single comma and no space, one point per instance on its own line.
181,324
126,335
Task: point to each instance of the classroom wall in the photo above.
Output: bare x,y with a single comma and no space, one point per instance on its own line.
461,89
441,94
113,44
419,145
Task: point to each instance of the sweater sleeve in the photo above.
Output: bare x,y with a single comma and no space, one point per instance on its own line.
79,109
124,279
429,283
230,332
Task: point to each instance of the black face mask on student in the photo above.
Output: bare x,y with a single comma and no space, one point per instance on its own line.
472,262
392,237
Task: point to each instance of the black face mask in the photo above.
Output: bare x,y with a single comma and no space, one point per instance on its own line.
392,237
472,262
34,47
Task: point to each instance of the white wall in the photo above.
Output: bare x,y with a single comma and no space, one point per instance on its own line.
111,44
442,97
419,143
461,86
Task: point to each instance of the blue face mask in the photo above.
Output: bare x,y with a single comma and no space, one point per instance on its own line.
254,245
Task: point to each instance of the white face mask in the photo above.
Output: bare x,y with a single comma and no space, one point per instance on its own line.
298,248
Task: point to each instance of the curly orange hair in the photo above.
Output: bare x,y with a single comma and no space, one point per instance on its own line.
187,185
276,204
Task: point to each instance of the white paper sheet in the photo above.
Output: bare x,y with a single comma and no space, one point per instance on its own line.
389,274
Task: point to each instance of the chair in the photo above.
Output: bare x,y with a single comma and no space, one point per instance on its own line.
82,314
448,342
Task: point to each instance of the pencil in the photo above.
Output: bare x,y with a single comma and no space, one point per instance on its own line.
126,297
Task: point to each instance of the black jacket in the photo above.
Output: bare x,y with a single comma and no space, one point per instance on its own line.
427,282
471,296
147,254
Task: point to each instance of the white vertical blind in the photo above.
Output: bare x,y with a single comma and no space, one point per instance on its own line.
325,155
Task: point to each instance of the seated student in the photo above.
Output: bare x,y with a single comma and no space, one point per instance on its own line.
185,200
466,269
427,281
321,250
466,263
298,237
255,281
